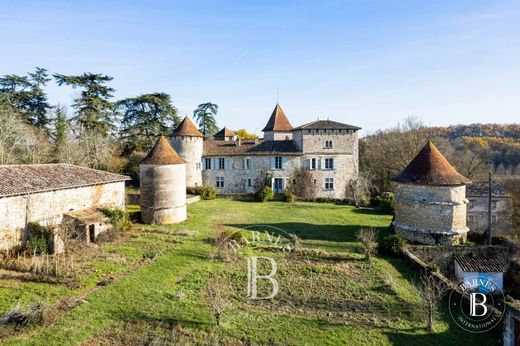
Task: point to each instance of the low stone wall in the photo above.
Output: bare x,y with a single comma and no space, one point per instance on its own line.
192,199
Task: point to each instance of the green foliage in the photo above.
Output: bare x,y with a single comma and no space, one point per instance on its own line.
61,129
289,196
243,134
391,245
40,239
144,118
264,195
94,111
118,217
208,192
205,116
386,201
27,96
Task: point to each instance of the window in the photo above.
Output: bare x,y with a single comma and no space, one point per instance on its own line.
328,144
277,162
197,166
208,162
313,164
249,184
329,183
493,204
329,163
220,182
221,163
248,164
494,218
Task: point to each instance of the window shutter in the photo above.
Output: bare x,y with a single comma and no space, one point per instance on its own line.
272,162
203,164
307,164
321,164
244,162
333,163
284,162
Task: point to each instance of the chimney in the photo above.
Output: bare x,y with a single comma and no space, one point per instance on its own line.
239,142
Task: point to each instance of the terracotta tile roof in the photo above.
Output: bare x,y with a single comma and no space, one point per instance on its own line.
278,121
430,167
482,189
326,125
225,132
250,148
481,264
187,128
162,154
26,179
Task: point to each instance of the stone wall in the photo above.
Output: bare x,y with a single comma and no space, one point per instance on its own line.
501,209
190,149
277,136
431,214
163,193
47,208
313,142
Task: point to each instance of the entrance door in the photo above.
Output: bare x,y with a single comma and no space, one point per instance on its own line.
91,233
278,185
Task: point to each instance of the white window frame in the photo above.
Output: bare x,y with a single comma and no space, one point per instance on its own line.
329,184
313,164
247,163
278,162
208,162
219,182
329,166
249,182
221,163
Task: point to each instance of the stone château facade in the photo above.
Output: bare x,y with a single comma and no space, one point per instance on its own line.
431,200
501,208
328,150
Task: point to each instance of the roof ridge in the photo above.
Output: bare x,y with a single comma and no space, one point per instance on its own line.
187,128
278,121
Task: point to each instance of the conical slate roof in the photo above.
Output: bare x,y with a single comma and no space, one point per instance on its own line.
430,167
187,128
162,154
278,121
225,132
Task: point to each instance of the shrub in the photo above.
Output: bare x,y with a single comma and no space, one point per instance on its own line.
391,245
194,190
367,238
266,194
40,239
289,196
118,217
386,201
208,192
23,316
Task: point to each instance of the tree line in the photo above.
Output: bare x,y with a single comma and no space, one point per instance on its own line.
98,131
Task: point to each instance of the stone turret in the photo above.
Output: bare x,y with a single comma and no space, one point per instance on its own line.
431,200
278,128
163,185
187,140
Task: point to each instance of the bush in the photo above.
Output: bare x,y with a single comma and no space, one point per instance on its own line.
266,194
387,202
208,192
118,217
391,245
194,190
289,197
40,239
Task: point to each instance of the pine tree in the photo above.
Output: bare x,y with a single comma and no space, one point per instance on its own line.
61,131
205,116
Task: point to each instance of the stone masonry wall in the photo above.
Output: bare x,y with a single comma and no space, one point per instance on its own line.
47,208
477,214
190,149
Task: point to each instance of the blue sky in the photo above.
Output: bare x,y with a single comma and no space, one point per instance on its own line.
366,63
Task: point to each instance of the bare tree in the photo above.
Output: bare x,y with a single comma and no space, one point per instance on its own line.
215,295
432,290
367,238
359,190
305,185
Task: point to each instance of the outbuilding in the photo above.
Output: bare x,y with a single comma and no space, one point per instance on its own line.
490,268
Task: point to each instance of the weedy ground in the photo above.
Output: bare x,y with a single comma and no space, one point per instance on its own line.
149,285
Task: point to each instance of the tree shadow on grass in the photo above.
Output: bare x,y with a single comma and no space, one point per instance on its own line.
308,231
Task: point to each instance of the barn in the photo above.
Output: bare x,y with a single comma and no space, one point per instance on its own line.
44,193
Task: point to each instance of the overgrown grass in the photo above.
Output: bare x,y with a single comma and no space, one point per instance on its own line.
350,301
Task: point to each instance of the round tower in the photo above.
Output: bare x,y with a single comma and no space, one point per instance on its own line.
187,140
163,185
431,200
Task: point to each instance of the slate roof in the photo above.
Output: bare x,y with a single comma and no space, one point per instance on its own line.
25,179
430,167
250,148
326,125
187,128
278,121
479,189
225,132
162,154
481,264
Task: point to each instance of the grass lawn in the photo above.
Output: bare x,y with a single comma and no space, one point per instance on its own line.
329,295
